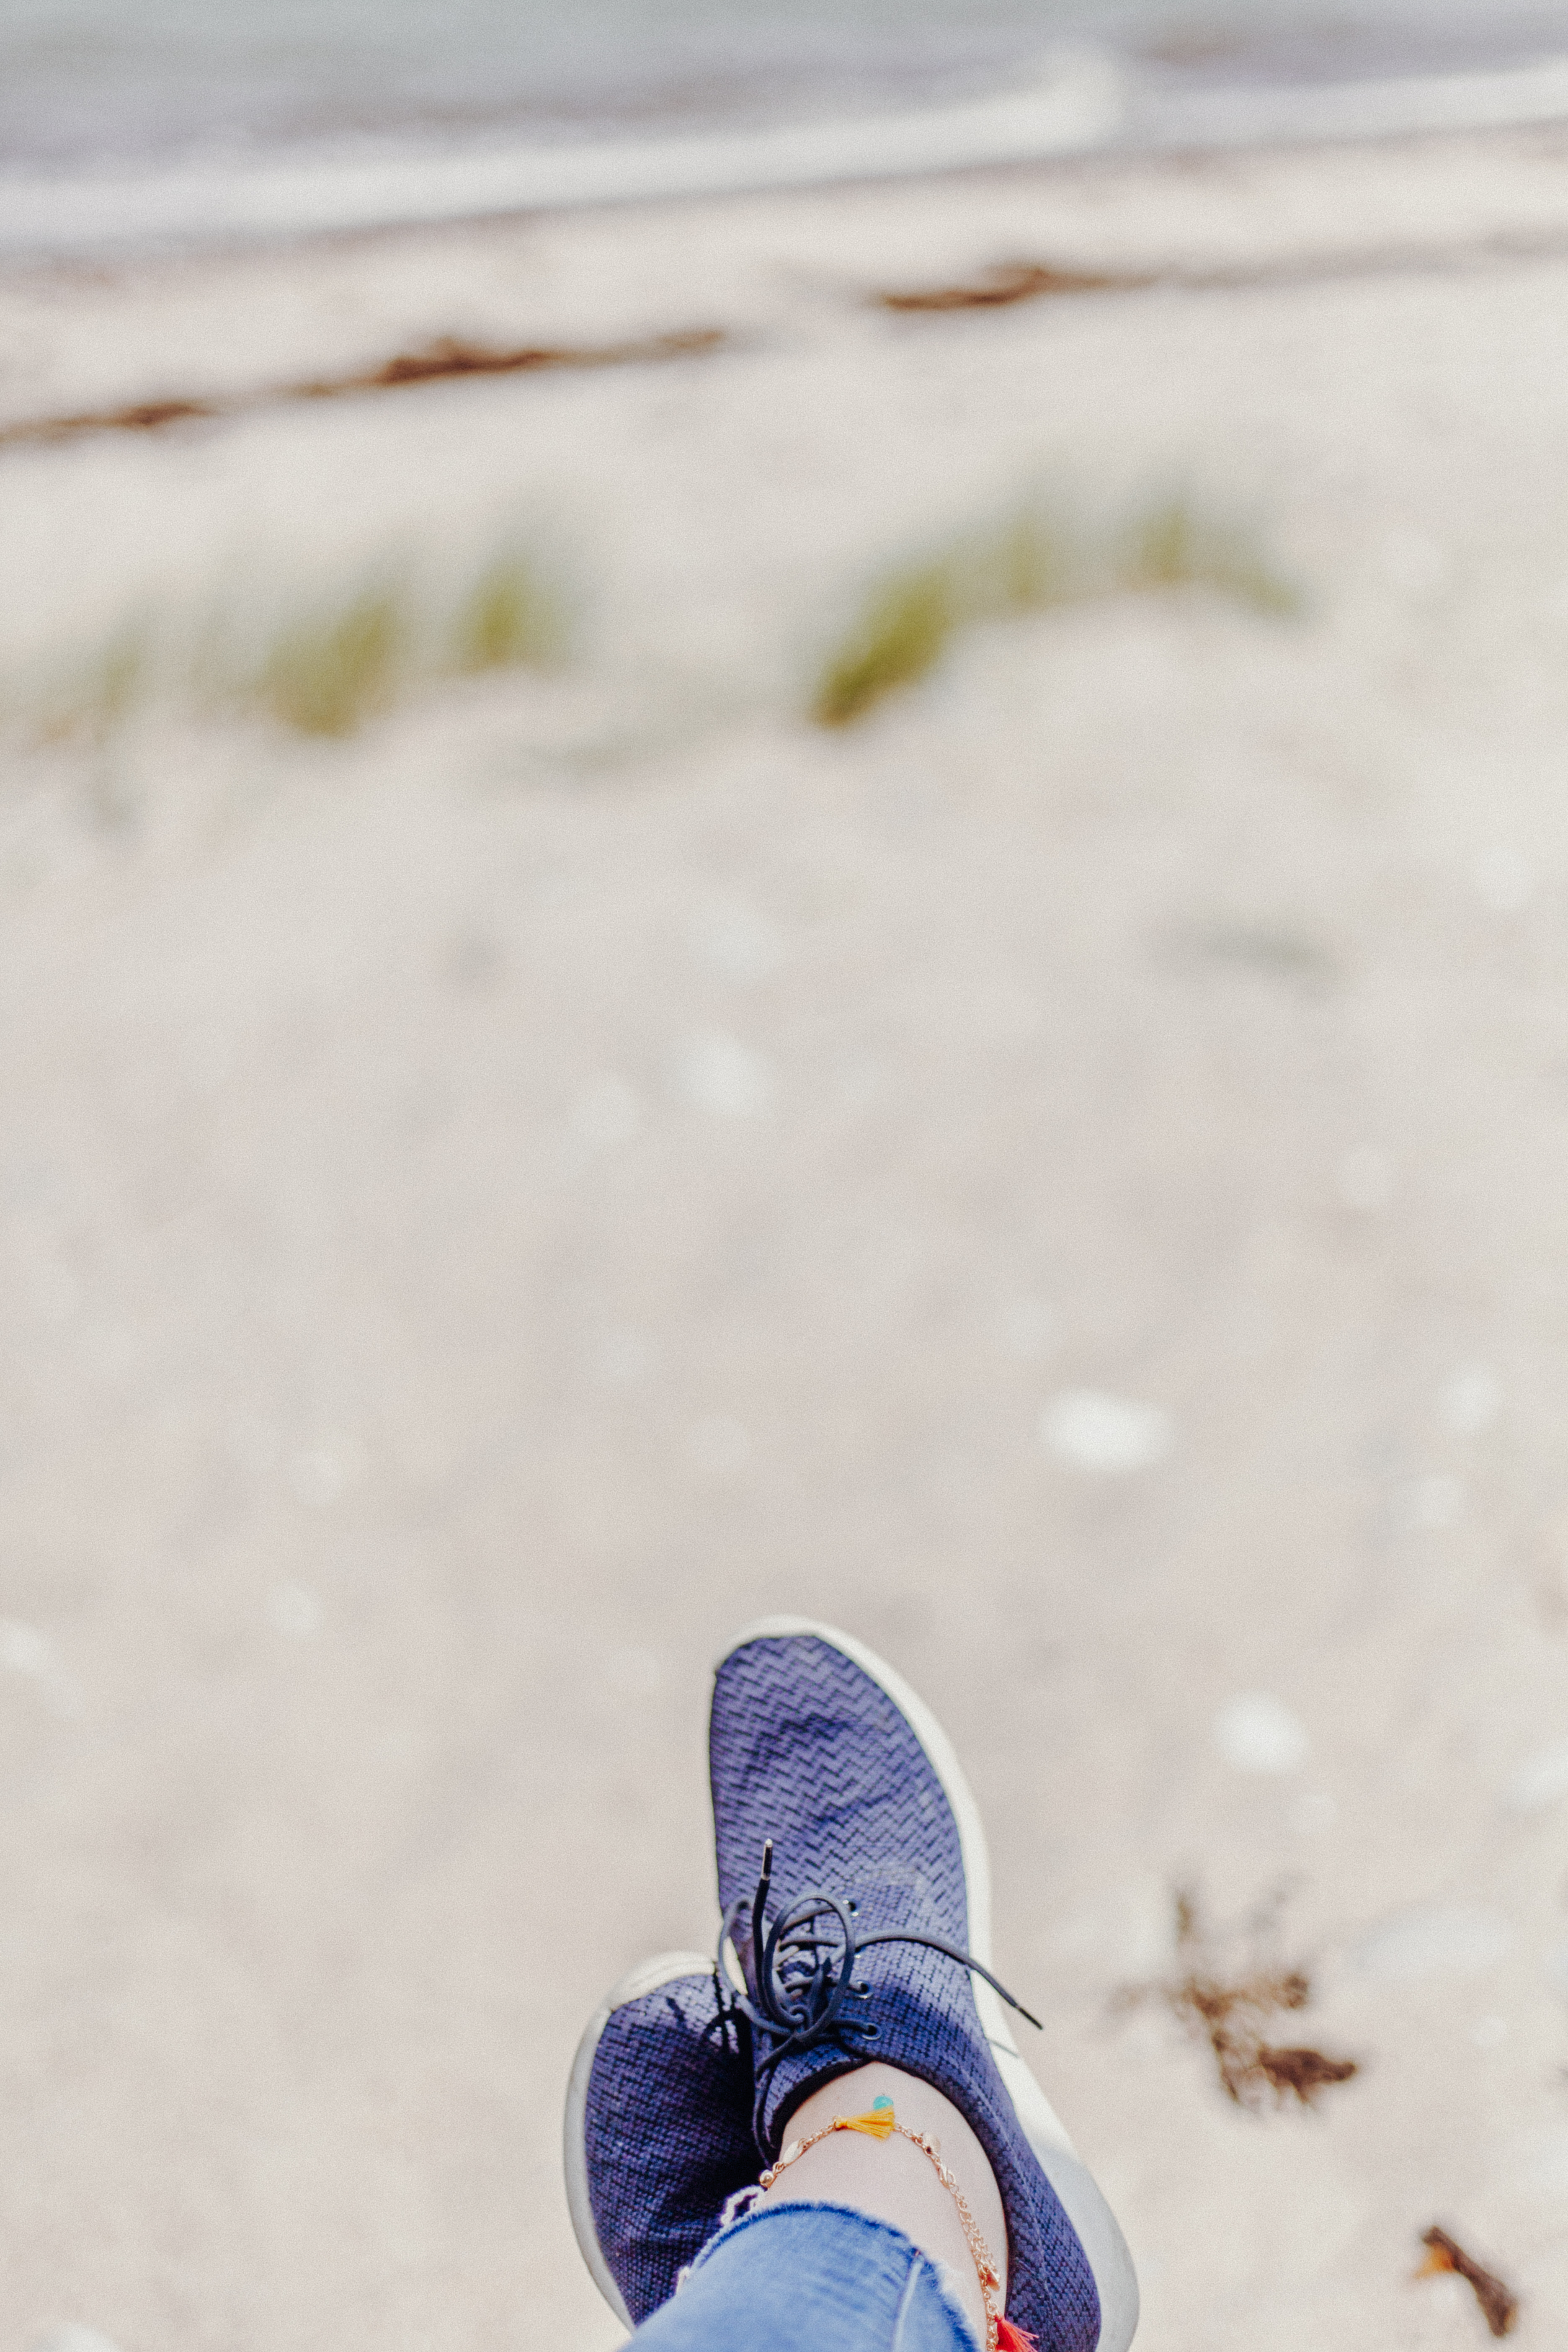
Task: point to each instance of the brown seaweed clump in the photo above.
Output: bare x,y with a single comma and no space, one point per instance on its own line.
1234,2010
1498,2303
1008,282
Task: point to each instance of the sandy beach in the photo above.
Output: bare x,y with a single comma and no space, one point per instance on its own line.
1063,1178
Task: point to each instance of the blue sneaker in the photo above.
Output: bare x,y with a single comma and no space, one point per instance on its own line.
658,2131
878,1944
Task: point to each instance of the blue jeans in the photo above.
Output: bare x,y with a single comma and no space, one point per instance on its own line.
809,2278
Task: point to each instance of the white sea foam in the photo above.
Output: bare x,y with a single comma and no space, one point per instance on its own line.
1076,101
1540,1783
1107,1435
1536,92
1257,1732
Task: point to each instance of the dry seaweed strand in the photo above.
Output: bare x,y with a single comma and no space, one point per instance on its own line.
1232,2013
1027,281
446,357
1498,2303
1010,281
449,356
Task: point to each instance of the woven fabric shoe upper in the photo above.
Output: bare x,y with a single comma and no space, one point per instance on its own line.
667,2134
807,1748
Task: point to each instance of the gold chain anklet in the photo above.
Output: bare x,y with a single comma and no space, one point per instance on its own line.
881,2123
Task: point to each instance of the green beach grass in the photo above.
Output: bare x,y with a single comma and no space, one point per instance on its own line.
1027,562
327,662
322,664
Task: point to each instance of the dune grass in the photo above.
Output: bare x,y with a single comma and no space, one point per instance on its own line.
1176,544
1027,562
328,673
322,664
344,663
325,662
109,686
902,632
508,618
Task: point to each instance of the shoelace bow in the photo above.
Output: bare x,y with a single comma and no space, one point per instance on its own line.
802,1989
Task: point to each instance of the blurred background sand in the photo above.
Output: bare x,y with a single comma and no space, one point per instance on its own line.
1063,1176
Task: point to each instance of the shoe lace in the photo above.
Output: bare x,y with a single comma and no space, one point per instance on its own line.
803,1990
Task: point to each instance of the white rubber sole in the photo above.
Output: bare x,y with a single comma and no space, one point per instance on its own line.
1077,2192
645,1978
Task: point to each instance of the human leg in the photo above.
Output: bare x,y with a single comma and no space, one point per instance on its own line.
817,1745
890,2176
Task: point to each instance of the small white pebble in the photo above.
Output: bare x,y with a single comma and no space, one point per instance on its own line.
1472,1399
1449,2294
1257,1732
1540,1782
70,2335
725,1078
25,1651
1504,881
1107,1436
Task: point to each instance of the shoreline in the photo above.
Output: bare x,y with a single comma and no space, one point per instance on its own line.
1085,106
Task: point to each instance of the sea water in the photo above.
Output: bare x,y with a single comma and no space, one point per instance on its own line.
146,121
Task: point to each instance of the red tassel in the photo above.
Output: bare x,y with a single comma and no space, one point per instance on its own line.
1013,2339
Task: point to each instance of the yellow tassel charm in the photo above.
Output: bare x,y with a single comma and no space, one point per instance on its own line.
875,2124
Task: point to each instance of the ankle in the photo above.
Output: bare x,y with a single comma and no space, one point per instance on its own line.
894,2181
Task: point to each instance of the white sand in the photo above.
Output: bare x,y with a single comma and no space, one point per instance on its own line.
488,1207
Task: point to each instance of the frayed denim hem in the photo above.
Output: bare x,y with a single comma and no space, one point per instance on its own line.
807,2272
